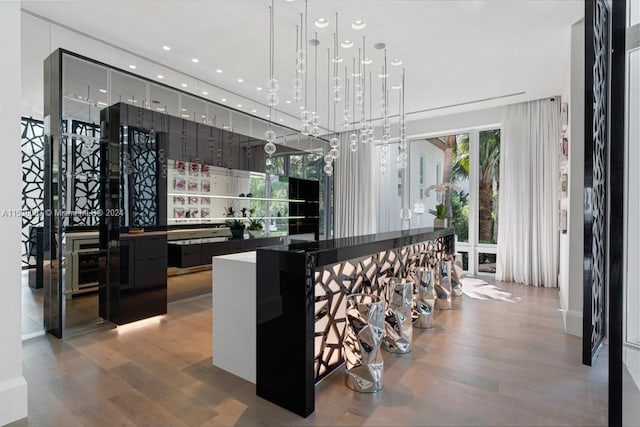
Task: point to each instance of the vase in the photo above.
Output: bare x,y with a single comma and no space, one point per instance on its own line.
398,317
439,222
237,233
256,234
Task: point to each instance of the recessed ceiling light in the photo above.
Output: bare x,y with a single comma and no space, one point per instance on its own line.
240,80
382,76
347,44
358,24
102,103
258,88
184,85
302,107
321,23
223,99
254,111
167,48
287,101
367,61
396,62
195,60
337,60
205,93
133,67
219,71
102,90
225,127
186,115
267,115
184,109
160,76
239,105
282,120
160,108
398,87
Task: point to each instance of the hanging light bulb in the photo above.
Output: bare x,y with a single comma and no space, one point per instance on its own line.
353,147
334,142
305,116
306,129
334,153
273,99
270,135
270,148
328,169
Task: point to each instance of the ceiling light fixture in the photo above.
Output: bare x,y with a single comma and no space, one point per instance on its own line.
288,101
205,93
223,99
219,71
347,44
167,48
102,90
396,62
195,60
282,120
254,111
133,67
367,61
272,87
358,24
240,80
379,45
184,85
321,23
239,105
160,76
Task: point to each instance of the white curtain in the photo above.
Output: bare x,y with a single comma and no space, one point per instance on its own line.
354,190
528,221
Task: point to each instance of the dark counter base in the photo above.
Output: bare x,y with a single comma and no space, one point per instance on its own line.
286,306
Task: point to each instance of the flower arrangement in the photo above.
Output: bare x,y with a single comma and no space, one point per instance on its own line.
440,189
440,212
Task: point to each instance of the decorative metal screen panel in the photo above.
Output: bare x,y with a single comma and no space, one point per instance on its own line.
596,148
365,275
32,184
85,173
143,178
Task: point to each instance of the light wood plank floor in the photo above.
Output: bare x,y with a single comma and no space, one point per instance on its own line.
499,358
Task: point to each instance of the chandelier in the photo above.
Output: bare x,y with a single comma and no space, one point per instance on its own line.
349,86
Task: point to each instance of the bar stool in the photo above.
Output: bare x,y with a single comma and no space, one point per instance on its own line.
398,317
424,298
361,346
451,275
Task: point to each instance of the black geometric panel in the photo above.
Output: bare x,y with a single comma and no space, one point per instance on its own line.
596,169
86,173
142,168
365,275
32,183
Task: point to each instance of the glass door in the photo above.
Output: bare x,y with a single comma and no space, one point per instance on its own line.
470,161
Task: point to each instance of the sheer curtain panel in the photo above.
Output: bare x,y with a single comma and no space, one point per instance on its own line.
354,192
528,222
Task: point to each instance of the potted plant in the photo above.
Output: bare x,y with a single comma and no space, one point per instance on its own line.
255,227
236,225
440,213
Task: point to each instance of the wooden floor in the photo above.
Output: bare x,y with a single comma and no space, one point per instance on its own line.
499,358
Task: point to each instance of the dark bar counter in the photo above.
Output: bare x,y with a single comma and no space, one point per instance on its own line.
301,289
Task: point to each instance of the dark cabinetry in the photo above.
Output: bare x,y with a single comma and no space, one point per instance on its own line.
142,291
190,253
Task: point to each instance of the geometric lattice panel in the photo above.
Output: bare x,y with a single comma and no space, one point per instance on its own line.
364,275
143,178
32,143
86,173
600,147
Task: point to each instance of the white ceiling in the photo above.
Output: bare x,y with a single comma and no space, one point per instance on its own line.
453,51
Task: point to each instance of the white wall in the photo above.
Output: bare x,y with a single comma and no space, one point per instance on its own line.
572,300
13,388
432,157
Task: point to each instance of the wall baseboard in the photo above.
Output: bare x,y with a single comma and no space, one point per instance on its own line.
13,400
573,323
